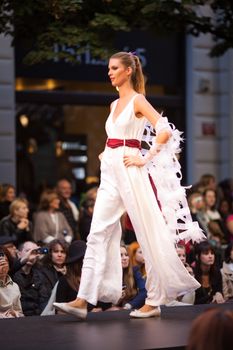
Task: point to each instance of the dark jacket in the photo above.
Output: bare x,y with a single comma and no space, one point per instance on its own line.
9,228
4,209
31,289
49,277
205,295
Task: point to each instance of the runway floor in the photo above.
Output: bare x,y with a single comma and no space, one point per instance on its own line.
102,331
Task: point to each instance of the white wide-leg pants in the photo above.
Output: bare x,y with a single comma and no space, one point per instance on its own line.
129,189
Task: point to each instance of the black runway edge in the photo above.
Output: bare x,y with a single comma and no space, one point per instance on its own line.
109,330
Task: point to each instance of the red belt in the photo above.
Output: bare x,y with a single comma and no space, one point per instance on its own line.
114,143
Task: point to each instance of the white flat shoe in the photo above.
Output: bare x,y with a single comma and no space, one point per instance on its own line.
139,314
77,312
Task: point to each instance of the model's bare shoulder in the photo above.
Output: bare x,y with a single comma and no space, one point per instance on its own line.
112,103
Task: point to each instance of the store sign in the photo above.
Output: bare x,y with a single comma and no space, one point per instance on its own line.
161,58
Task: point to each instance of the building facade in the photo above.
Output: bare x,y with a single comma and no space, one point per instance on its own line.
208,112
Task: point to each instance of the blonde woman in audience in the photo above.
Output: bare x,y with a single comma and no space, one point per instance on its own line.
17,224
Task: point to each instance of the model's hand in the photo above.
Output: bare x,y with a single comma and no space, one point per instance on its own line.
133,160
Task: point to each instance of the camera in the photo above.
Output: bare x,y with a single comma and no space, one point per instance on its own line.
2,255
42,250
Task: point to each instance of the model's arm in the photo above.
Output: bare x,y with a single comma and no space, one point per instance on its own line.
143,108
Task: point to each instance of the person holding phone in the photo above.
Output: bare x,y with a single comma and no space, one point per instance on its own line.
10,305
29,281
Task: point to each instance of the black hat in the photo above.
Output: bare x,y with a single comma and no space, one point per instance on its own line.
7,239
76,251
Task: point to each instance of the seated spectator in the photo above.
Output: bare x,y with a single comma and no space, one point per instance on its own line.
28,280
16,224
91,193
133,287
225,209
53,266
226,187
197,210
227,273
208,182
67,207
136,257
49,223
212,330
8,243
211,213
7,195
10,306
68,284
188,298
86,218
229,224
208,275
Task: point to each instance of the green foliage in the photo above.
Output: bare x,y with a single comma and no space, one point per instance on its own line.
38,25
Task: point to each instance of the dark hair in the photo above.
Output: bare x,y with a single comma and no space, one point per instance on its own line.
201,248
88,203
47,260
213,329
128,59
3,191
228,253
73,273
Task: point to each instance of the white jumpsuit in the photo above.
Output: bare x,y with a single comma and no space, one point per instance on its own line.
129,189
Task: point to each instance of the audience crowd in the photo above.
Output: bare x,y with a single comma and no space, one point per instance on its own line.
41,252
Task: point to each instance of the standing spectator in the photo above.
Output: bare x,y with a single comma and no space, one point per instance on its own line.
67,207
28,280
208,275
7,195
10,305
16,224
49,222
53,267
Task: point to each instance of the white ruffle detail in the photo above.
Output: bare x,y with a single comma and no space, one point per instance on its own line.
165,171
